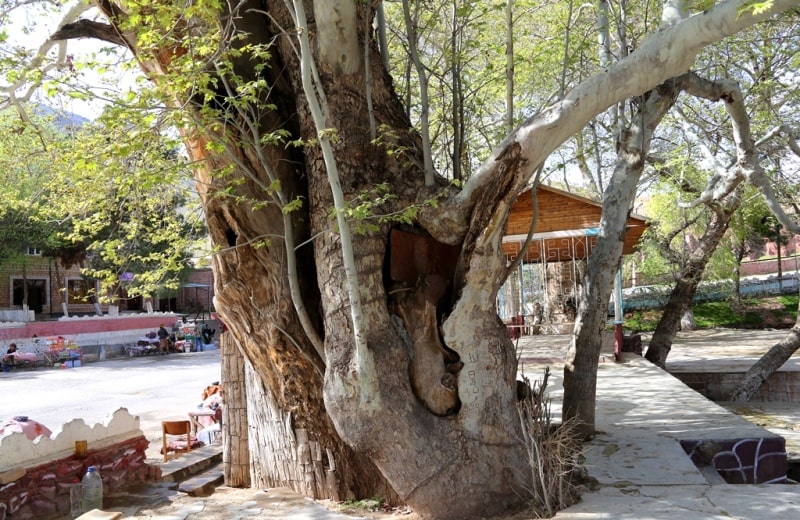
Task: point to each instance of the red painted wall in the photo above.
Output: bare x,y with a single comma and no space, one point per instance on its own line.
66,328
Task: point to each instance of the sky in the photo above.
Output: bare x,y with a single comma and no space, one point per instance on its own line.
30,27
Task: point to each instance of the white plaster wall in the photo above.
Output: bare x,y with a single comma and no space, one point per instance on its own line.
17,451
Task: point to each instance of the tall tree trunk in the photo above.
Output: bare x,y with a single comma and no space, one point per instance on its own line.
563,281
739,253
580,369
686,285
284,378
687,320
722,206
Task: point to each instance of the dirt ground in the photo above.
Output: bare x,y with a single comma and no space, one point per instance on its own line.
273,504
773,315
277,504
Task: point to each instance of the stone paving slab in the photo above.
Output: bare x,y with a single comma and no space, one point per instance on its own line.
724,350
780,418
643,413
203,484
687,502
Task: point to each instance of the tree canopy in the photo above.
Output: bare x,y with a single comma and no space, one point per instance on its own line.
85,194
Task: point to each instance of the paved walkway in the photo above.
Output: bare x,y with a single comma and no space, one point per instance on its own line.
643,413
636,458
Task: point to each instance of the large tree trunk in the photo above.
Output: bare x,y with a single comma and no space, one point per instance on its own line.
292,440
563,283
444,466
469,464
580,369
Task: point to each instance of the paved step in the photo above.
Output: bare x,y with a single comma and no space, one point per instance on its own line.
196,461
98,514
203,484
197,474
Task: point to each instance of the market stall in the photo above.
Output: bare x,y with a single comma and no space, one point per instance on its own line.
62,353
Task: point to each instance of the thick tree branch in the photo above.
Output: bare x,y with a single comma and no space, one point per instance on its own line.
665,54
724,182
791,137
17,92
90,29
766,366
362,362
746,166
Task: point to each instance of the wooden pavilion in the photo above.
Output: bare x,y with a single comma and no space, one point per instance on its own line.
566,228
566,231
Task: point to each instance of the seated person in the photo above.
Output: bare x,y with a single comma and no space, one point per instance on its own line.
211,389
212,400
208,334
209,434
11,355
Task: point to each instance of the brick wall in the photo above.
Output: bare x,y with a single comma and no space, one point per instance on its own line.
759,267
42,492
51,273
36,476
71,327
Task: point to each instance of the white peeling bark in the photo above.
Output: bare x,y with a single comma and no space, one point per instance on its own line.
424,107
336,35
667,53
317,106
746,166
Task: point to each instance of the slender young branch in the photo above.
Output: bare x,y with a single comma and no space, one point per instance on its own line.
509,66
249,127
529,238
373,130
13,92
318,107
422,75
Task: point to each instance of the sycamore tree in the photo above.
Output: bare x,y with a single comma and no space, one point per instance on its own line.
747,142
25,166
20,191
359,285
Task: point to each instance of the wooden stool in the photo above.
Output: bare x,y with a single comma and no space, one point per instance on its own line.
96,514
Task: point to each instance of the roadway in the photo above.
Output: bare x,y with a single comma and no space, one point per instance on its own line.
155,388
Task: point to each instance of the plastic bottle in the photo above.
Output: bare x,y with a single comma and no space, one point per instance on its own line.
91,490
75,499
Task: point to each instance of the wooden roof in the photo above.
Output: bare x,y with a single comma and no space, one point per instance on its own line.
566,228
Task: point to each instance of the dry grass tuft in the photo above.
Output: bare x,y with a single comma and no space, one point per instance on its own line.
555,451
